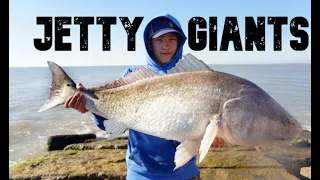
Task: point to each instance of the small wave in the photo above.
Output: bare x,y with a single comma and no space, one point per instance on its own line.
307,113
308,128
21,152
42,137
21,133
12,163
11,150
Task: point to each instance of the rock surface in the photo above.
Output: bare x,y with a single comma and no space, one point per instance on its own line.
58,142
105,159
306,171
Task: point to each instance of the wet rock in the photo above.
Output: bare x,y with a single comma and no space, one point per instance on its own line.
98,163
73,163
245,173
104,139
101,144
58,142
100,158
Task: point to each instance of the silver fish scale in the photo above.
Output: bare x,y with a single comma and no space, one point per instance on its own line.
177,107
175,115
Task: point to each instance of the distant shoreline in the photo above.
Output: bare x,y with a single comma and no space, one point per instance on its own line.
144,65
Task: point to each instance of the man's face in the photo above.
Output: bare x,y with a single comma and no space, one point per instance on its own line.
164,47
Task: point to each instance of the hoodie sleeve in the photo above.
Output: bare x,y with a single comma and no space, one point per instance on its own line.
98,119
127,71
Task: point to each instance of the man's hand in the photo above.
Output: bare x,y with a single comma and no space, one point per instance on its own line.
77,101
218,142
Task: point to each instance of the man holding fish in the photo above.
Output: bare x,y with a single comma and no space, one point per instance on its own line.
151,157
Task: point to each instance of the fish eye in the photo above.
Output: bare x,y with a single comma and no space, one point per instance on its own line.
288,122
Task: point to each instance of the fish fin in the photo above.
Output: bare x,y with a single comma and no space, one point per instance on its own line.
185,151
51,103
208,137
189,63
113,128
61,87
138,74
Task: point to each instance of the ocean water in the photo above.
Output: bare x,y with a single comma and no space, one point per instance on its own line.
289,84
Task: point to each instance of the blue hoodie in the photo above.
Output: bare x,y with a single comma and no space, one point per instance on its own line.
150,157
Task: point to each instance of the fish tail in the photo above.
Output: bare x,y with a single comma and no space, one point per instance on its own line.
62,87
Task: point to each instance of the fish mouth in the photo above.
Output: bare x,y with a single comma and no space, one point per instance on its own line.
285,139
284,142
279,142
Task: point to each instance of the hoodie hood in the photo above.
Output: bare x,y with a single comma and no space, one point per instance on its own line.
151,63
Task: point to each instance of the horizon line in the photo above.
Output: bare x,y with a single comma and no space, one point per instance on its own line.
145,64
